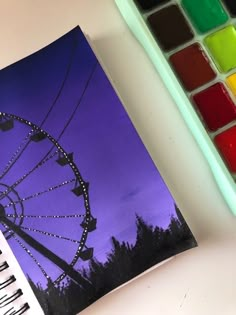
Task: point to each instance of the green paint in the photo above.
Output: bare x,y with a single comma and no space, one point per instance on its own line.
222,46
205,14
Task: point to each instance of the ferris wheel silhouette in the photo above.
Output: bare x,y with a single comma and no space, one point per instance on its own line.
24,218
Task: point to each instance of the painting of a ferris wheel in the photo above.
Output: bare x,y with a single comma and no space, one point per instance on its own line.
82,205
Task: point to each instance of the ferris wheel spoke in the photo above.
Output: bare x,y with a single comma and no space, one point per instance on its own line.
31,256
20,180
47,253
17,154
50,234
28,216
28,252
37,166
38,194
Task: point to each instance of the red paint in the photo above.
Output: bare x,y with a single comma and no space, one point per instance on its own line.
192,67
226,143
216,106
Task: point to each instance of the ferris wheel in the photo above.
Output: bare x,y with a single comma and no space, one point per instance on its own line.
44,200
21,216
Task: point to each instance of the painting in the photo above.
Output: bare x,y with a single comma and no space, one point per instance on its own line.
82,204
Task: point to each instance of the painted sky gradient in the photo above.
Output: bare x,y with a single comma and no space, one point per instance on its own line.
107,150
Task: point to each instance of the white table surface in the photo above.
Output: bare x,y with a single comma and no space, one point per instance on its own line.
201,281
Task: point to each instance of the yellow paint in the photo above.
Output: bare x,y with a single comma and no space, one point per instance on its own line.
231,81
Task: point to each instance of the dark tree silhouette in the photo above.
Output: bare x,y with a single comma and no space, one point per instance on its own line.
187,234
125,261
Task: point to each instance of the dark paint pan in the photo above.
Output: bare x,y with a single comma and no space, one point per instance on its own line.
170,27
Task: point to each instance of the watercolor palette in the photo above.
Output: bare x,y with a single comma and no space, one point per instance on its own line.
192,44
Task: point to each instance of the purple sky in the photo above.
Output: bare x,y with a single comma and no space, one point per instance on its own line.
107,150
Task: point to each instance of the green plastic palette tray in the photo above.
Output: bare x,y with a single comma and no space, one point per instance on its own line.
192,44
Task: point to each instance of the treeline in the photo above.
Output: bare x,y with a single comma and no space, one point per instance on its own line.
125,261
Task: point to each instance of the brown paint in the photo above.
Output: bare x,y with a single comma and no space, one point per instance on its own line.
192,67
170,27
